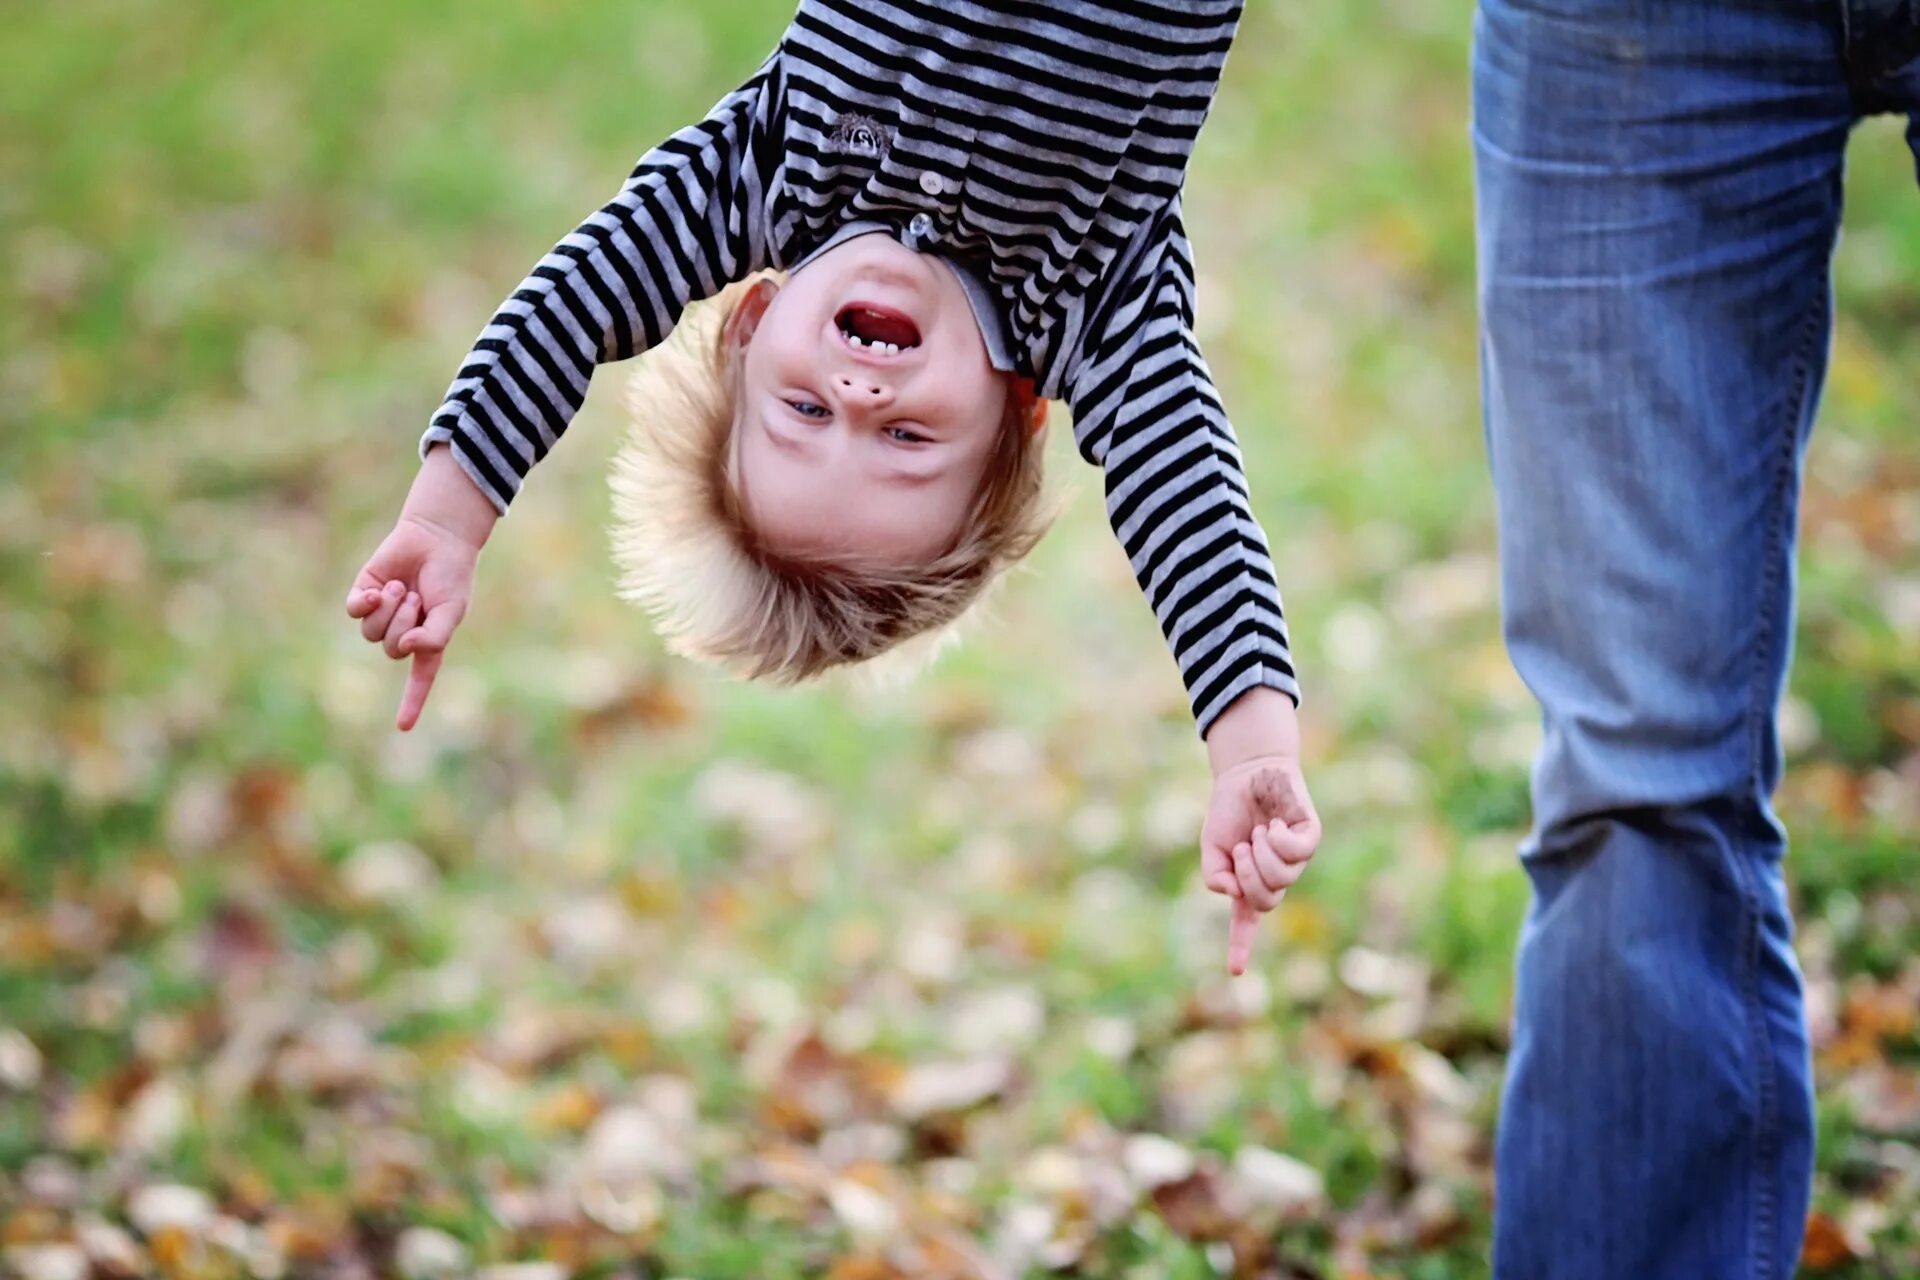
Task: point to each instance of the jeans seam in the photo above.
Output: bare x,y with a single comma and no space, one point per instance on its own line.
1764,1209
1759,709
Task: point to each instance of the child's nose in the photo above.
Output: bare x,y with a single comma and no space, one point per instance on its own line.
867,391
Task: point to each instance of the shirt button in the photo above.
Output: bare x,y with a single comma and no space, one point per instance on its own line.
931,183
921,226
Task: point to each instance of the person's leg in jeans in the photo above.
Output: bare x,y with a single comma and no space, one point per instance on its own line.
1659,193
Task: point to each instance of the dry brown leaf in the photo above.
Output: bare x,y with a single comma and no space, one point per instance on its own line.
1152,1160
238,939
934,1088
1826,1244
652,704
1884,1012
650,895
948,1255
303,1236
111,1248
31,1226
864,1266
47,1262
1272,1181
1885,1099
27,944
260,796
568,1110
1193,1206
21,1062
85,1122
176,1252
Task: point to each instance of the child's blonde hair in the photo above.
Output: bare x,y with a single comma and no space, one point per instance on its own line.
687,552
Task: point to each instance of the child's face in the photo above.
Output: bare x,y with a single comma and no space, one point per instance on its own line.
868,407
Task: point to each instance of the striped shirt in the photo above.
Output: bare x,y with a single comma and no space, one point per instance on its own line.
1047,143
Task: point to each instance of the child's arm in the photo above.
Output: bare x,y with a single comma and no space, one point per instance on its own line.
1145,410
689,220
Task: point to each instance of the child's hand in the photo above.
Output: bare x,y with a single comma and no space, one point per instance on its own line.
413,591
1261,827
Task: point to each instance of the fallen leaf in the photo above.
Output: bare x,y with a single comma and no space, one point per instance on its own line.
48,1261
1154,1161
864,1266
156,1208
1193,1206
20,1061
870,1218
1826,1244
1265,1179
569,1109
934,1087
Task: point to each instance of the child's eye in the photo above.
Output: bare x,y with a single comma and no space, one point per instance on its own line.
905,436
808,409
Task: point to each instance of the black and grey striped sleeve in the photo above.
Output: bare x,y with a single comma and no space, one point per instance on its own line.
1145,410
687,222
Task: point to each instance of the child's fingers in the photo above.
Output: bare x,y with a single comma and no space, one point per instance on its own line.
1297,842
361,600
419,683
1246,919
374,625
435,630
404,620
1289,874
1240,851
1216,870
1252,888
1275,874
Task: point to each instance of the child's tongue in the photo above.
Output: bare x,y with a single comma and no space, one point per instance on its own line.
879,326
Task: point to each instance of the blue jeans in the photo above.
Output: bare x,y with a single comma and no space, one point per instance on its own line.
1658,196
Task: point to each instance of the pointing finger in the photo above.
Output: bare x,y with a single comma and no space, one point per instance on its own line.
419,683
1246,919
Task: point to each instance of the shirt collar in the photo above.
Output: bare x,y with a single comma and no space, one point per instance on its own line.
980,295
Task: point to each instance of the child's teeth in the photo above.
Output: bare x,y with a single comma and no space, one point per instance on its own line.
874,344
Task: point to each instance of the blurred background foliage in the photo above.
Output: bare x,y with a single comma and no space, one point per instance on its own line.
615,969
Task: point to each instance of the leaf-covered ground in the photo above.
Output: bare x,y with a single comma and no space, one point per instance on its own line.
614,969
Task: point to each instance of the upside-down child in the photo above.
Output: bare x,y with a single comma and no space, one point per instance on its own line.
918,224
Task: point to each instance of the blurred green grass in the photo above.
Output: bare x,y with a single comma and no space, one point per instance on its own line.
246,246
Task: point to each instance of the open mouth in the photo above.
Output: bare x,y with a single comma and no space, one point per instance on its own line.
877,329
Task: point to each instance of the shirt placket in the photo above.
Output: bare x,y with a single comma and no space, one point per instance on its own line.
926,168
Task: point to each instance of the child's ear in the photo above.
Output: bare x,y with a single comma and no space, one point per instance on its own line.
1029,410
748,312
